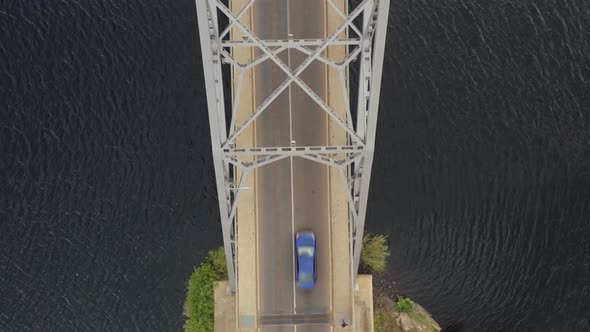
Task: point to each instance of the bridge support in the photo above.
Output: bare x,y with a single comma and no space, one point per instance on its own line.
210,50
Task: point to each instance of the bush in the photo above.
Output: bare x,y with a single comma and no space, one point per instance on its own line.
374,252
200,302
217,258
200,305
404,304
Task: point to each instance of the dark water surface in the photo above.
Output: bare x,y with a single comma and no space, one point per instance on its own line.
482,176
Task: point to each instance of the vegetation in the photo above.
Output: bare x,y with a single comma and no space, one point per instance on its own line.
217,258
422,319
404,304
374,253
416,314
200,306
383,321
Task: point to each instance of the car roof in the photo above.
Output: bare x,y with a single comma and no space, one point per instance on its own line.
306,264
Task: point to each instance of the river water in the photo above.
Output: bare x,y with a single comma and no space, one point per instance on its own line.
481,177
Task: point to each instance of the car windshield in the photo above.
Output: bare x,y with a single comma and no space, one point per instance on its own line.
305,277
305,251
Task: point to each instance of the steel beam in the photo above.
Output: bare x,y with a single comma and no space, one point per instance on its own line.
377,25
210,52
291,43
292,150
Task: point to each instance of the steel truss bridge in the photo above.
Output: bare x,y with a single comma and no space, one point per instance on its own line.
362,34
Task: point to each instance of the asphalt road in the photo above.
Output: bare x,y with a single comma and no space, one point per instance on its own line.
293,193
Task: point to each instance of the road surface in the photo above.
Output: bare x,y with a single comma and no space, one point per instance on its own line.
293,194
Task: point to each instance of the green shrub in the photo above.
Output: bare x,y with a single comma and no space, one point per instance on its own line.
217,258
374,252
200,305
404,304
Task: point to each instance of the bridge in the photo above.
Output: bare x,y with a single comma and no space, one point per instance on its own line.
293,143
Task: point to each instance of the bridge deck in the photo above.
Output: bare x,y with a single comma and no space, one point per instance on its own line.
293,194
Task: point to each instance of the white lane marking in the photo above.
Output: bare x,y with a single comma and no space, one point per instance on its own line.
291,167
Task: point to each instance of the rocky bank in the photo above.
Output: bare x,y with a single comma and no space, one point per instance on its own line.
388,319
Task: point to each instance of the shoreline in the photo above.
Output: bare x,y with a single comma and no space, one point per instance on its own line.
388,318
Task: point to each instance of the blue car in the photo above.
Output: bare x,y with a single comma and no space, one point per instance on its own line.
305,260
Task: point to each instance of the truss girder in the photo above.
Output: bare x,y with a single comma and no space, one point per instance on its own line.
353,161
293,76
375,30
208,35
